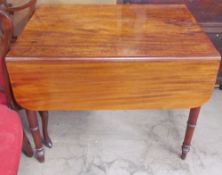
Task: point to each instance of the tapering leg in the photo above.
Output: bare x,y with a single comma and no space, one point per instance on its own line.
33,124
44,116
191,124
26,146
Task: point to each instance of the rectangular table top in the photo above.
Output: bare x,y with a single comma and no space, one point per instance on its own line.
113,31
112,57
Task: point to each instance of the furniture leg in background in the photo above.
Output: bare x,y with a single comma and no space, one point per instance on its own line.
33,124
44,116
191,124
10,122
26,148
11,10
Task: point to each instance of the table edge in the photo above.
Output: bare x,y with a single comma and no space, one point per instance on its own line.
29,59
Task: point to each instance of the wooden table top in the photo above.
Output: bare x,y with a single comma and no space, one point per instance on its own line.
112,57
204,10
112,31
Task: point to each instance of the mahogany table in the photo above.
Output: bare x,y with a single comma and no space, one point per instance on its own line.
208,14
89,57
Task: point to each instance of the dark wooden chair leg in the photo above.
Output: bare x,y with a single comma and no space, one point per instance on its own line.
220,86
191,124
44,116
14,38
33,124
26,146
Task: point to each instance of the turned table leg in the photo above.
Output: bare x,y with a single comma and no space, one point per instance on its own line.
191,124
33,124
26,146
44,116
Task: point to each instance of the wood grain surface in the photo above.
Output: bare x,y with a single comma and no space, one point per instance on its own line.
205,11
112,57
112,31
112,85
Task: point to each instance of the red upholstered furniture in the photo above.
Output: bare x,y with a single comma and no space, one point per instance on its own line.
10,9
11,135
10,141
11,132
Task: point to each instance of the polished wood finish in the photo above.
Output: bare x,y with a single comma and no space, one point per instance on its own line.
69,85
111,57
191,124
204,10
208,14
117,65
114,31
